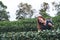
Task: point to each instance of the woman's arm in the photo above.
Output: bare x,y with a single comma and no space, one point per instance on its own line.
50,24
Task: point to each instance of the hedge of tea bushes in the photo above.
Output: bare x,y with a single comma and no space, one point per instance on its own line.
25,25
56,21
43,35
18,26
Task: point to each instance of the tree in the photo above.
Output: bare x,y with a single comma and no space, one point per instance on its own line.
57,7
56,19
3,13
25,11
43,10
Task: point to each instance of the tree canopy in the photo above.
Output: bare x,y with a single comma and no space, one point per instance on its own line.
25,11
3,13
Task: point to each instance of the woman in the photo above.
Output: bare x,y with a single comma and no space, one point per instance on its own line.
43,24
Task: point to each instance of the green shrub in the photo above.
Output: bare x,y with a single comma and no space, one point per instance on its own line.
18,26
25,25
43,35
56,21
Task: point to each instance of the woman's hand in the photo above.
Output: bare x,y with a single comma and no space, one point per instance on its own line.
50,24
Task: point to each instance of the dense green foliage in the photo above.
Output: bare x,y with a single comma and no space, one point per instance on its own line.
56,21
21,25
25,25
43,35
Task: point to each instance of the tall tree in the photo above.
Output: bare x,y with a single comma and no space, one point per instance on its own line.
3,13
57,7
25,11
43,10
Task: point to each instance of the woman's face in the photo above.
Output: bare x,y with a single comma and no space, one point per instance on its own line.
41,20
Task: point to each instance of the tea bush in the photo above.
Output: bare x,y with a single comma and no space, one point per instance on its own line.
43,35
18,26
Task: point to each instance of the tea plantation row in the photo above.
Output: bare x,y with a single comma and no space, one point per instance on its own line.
43,35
